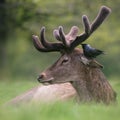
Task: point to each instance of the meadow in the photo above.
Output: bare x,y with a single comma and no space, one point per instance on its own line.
68,110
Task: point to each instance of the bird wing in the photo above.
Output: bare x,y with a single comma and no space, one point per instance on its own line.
95,52
90,52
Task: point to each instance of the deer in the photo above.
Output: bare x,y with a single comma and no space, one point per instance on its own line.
72,76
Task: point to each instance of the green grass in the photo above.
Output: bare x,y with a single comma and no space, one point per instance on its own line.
10,89
54,111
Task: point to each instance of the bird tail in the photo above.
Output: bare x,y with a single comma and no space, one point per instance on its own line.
104,53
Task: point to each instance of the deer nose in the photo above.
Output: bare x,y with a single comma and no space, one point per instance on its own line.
41,77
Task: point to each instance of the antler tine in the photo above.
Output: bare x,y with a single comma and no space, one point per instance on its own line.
45,46
103,13
62,36
48,45
86,24
56,34
43,40
72,34
38,45
89,29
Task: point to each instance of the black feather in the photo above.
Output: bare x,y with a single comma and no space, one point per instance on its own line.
90,52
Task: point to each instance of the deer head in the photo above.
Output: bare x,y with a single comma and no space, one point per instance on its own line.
72,62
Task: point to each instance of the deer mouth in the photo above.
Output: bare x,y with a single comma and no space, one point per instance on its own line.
47,82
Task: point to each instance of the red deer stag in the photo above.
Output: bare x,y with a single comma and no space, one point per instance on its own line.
73,75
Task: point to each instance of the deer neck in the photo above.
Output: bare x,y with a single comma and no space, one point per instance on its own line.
93,86
85,85
80,85
82,91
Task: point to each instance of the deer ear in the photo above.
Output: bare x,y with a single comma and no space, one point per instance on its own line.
95,64
90,62
84,60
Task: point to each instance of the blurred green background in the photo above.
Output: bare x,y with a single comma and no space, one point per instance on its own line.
20,19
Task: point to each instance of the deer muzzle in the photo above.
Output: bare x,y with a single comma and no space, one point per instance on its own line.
42,78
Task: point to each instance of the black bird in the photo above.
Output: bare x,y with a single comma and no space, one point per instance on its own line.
90,52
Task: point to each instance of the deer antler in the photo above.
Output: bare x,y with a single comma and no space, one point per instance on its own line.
43,45
68,42
56,34
64,40
71,36
89,29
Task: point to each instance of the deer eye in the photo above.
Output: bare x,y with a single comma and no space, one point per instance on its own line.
65,60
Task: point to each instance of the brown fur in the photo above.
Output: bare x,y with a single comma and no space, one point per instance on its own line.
88,80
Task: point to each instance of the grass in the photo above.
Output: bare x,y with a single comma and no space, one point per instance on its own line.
53,111
10,89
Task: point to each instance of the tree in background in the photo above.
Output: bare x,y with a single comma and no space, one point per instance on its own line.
13,15
3,32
